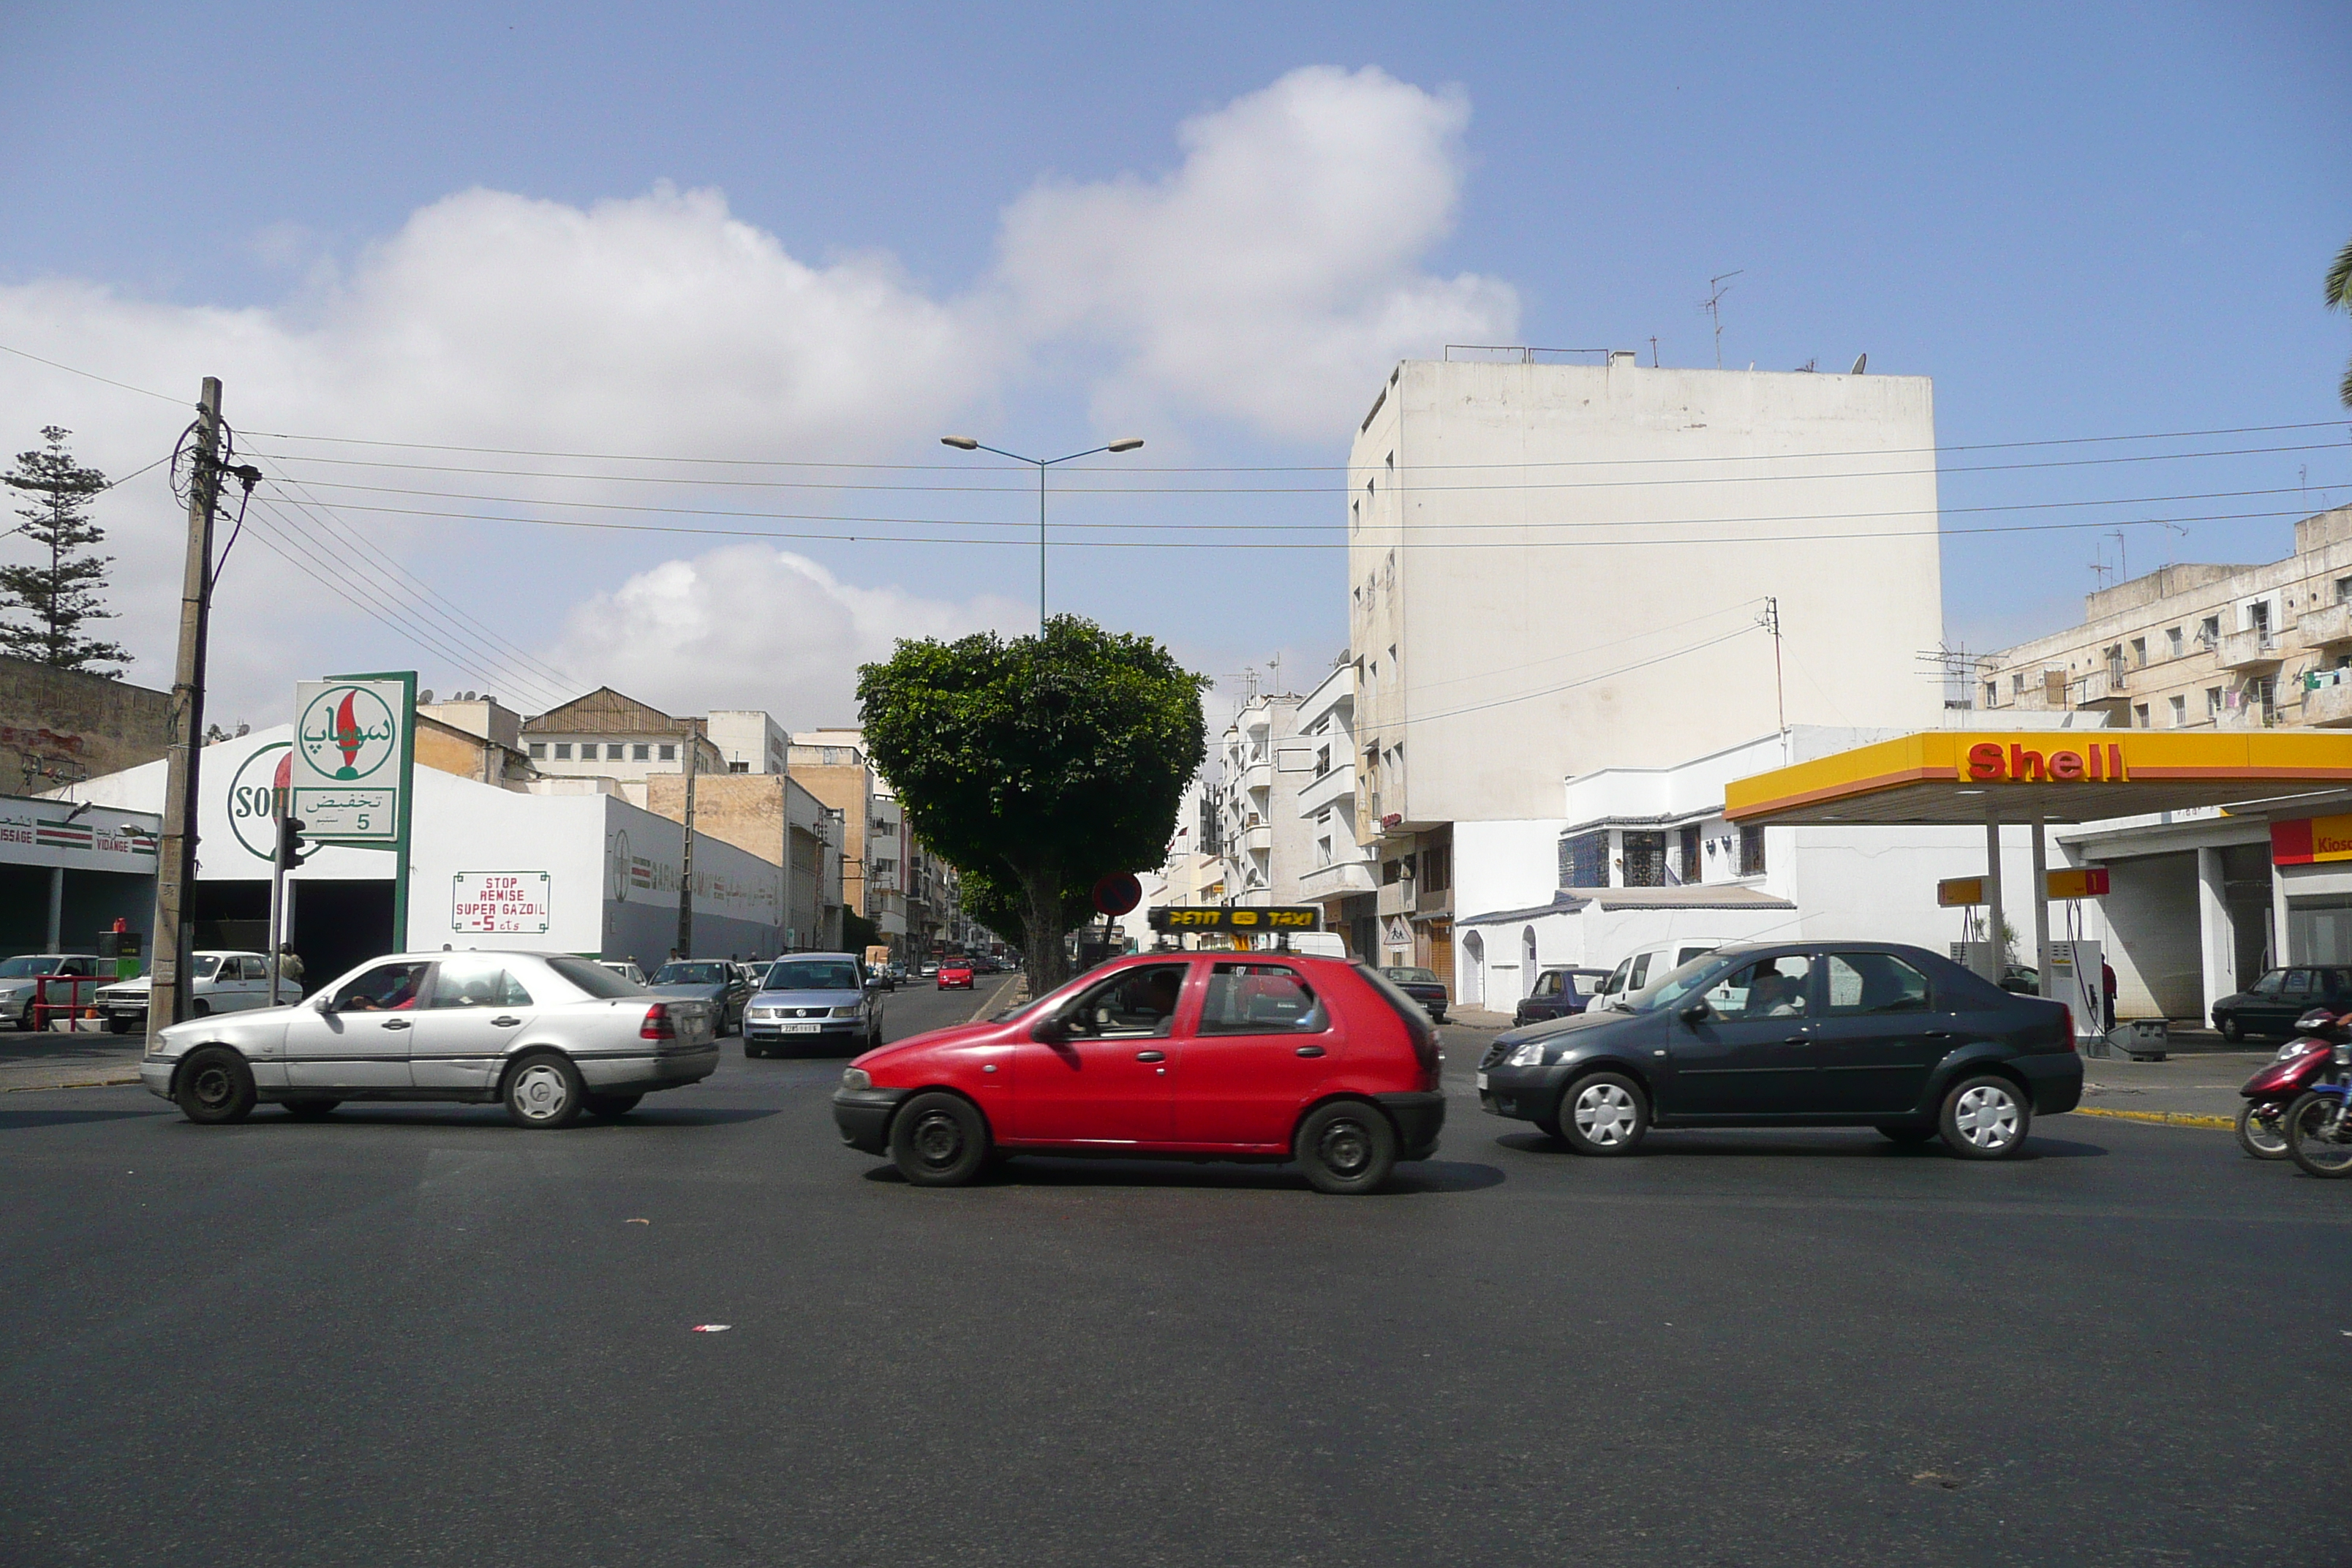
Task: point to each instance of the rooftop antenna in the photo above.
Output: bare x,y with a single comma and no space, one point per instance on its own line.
1654,350
2169,529
1248,678
1274,675
1714,308
2123,560
2099,567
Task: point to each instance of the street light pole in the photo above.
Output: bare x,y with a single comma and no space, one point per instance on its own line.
967,443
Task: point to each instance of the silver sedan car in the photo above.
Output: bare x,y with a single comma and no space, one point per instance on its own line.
549,1034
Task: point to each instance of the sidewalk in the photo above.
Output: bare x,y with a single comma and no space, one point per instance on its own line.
68,1062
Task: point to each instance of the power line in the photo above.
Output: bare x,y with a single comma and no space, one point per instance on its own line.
93,376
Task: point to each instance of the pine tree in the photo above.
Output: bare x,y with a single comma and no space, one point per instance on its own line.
57,597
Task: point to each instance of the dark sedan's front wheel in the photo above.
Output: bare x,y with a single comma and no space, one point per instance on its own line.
2232,1030
1606,1114
1985,1118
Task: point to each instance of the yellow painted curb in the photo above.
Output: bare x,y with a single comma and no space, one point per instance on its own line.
2164,1118
87,1083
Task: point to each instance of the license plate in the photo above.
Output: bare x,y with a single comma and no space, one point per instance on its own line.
1482,1081
802,1028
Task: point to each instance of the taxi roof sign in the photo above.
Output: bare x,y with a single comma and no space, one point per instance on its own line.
1263,918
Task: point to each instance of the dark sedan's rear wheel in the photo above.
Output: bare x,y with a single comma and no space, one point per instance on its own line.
1605,1113
1985,1118
2261,1131
2319,1134
215,1086
939,1140
1346,1147
2232,1030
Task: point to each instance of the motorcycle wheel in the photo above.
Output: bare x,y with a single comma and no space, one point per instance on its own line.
2319,1135
2262,1137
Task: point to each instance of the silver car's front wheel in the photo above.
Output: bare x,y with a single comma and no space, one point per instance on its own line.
544,1092
1985,1119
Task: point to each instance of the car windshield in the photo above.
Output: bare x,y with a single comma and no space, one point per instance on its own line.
692,974
204,966
812,974
1674,985
25,968
593,978
1405,976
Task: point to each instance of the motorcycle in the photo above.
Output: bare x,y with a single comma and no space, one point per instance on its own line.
2301,1064
2318,1124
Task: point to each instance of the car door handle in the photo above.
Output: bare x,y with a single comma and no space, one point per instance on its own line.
1940,1034
1797,1039
1152,1056
1310,1050
505,1022
396,1023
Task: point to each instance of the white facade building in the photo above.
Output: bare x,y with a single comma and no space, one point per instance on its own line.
1339,875
750,741
1266,844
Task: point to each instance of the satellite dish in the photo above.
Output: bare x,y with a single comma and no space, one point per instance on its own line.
1859,362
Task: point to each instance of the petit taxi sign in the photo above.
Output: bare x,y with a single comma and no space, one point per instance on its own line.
1307,917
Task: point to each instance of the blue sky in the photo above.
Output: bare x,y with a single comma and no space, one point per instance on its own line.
2080,220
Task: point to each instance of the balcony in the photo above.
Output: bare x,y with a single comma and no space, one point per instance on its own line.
1339,878
2253,649
1394,899
1336,786
2321,628
1258,838
1258,774
2106,690
2329,707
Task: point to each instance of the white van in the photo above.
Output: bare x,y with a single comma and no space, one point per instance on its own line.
1644,964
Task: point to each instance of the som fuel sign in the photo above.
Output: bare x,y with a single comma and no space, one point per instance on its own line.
500,903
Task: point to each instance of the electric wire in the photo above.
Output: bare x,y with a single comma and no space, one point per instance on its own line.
93,376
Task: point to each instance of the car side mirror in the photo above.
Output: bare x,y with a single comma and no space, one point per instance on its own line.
1052,1029
1694,1014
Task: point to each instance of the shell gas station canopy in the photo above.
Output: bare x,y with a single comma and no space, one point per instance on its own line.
1962,777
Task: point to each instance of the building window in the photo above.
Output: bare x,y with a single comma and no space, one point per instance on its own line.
1584,860
1752,851
2258,619
1437,869
1992,693
1390,871
2017,684
2139,651
2180,711
612,753
738,767
1645,859
1690,870
2172,642
562,750
669,753
641,753
2344,590
539,749
2140,715
2212,702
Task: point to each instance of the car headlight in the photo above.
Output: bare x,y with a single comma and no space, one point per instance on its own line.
1530,1055
854,1077
849,1011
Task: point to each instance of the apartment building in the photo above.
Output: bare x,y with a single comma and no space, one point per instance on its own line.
1339,875
610,734
1265,842
1557,569
2202,645
750,741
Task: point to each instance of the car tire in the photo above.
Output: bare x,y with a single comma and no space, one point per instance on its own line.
310,1109
939,1140
2262,1140
1904,1132
2232,1030
612,1106
543,1092
753,1052
1345,1147
1985,1118
200,1008
118,1026
1603,1113
215,1087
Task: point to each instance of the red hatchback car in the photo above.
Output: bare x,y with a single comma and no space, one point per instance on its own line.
955,974
1259,1055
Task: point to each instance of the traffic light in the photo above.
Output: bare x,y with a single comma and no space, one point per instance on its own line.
291,850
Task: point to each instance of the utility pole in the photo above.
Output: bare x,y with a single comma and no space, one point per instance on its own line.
686,876
1771,623
175,860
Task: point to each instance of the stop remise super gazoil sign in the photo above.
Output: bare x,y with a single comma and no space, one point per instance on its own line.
499,902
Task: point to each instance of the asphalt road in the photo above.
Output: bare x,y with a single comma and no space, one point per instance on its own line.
415,1335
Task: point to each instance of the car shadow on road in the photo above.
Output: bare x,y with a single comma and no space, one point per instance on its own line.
1420,1176
1814,1144
9,1119
491,1118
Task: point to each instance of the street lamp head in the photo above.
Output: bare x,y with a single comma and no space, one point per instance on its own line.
1127,443
962,442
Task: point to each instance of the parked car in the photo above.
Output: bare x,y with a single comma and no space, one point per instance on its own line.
955,974
1267,1057
1422,985
2272,1004
549,1034
820,999
20,983
927,968
896,972
626,968
1558,993
1644,964
1796,1035
717,981
218,983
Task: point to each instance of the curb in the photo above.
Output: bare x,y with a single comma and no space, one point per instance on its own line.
79,1083
985,1008
2161,1118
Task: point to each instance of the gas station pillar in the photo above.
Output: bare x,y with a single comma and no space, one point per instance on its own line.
1995,950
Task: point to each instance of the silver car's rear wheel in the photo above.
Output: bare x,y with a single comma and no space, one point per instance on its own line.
544,1092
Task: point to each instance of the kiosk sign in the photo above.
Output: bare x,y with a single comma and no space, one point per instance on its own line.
345,781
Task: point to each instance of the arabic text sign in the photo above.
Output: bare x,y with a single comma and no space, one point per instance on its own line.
346,758
498,902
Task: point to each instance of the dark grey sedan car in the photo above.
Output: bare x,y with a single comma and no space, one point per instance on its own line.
716,981
2272,1004
1796,1035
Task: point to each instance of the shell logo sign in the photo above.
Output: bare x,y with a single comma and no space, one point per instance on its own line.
2308,840
2101,761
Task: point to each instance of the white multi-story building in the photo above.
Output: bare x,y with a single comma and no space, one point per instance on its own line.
750,741
1555,570
1266,844
608,734
1340,874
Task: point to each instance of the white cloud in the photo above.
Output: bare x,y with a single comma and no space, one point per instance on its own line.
752,626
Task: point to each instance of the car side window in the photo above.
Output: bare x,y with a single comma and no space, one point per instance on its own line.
2270,984
257,968
386,988
1136,1004
2299,981
1767,988
1640,975
1863,984
1261,999
476,983
1547,987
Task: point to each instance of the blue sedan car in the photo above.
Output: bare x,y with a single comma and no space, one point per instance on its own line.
820,1001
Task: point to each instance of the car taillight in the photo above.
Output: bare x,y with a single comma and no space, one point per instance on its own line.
2069,1037
658,1023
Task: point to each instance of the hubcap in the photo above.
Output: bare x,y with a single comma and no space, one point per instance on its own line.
1604,1114
540,1092
212,1088
1346,1148
939,1140
1987,1116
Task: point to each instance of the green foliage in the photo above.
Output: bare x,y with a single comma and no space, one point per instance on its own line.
57,597
998,902
1039,765
2339,293
857,932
